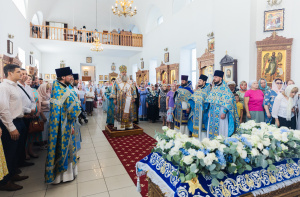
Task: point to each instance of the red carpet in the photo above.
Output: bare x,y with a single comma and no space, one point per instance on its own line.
131,149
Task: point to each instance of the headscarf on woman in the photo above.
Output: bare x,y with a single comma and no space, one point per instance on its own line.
261,88
287,92
275,88
242,82
43,92
250,83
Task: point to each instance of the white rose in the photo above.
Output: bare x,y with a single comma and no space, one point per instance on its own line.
244,154
188,159
219,137
265,152
205,142
260,146
178,144
254,152
196,142
239,150
170,133
174,151
161,144
200,155
192,152
255,139
296,134
222,146
214,144
277,136
284,147
165,128
266,142
285,137
169,144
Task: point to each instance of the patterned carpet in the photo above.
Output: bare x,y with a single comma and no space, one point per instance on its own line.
131,149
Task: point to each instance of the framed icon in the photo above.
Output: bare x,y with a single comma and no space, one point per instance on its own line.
211,44
166,57
88,59
47,76
274,20
30,59
101,77
142,65
62,65
105,77
53,76
85,73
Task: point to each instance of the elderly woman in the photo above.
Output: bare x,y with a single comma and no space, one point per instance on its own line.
242,91
232,86
270,95
263,86
90,101
152,104
45,95
284,108
34,137
253,100
162,103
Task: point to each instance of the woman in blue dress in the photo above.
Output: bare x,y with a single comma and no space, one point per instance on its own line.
143,109
270,95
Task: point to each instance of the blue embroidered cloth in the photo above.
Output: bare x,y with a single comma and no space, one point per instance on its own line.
160,172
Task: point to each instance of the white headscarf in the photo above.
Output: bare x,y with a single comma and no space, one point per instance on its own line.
287,92
250,83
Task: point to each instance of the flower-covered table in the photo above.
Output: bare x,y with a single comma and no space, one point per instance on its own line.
259,159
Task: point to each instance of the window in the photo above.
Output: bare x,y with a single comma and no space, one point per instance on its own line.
194,67
22,6
21,54
160,20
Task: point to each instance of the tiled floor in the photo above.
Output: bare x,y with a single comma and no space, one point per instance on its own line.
101,173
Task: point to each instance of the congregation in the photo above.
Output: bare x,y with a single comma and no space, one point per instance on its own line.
49,115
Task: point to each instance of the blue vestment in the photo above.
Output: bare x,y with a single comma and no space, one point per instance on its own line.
196,103
221,101
64,111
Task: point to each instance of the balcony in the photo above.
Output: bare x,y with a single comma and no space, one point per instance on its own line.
81,36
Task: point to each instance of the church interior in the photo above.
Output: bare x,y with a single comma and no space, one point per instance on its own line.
131,141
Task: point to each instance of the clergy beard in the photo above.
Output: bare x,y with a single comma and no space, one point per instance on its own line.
183,84
124,78
217,82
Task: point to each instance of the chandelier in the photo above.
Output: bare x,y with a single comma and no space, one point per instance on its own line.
97,45
125,8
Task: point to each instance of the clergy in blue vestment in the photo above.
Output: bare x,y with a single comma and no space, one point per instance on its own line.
64,110
181,97
111,106
74,91
198,117
223,116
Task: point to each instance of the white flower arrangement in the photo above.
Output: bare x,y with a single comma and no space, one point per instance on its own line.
255,145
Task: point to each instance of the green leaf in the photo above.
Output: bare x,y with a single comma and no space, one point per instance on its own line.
182,178
188,145
214,172
220,175
264,163
231,169
212,167
241,170
176,158
215,182
169,158
270,161
202,162
174,173
188,177
197,162
193,167
248,167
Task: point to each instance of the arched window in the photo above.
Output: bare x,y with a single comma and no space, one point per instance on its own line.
22,5
160,20
152,21
37,18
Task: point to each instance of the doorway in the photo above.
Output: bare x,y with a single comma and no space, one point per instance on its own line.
88,73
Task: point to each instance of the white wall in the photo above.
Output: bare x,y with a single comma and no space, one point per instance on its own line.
51,61
13,22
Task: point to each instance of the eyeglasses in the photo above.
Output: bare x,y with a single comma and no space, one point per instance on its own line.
279,83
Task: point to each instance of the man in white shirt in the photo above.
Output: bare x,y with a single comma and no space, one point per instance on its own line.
12,125
29,106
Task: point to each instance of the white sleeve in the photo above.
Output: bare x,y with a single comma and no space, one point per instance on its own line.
276,106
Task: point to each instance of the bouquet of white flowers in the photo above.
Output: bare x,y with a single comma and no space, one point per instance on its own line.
256,145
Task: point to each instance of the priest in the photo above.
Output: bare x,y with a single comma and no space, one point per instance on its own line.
64,110
124,96
111,105
181,97
198,117
223,117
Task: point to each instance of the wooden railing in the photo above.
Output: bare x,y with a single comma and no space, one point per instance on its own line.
73,35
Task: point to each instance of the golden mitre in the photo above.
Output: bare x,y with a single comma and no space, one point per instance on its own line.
123,68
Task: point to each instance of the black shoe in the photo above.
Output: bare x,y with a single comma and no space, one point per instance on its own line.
10,186
86,120
80,121
26,164
18,171
18,178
